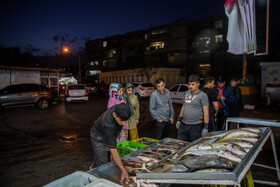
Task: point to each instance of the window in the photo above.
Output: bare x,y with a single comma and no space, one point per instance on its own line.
183,88
137,77
113,79
93,72
124,79
104,62
117,79
219,24
53,81
159,32
174,89
157,45
106,79
104,43
112,53
148,78
128,78
45,81
91,63
109,79
132,78
142,78
96,62
219,38
120,79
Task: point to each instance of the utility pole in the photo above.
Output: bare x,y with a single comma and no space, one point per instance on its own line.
80,73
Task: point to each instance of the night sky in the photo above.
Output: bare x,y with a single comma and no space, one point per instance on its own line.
40,26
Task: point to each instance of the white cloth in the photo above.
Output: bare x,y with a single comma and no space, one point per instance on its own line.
241,34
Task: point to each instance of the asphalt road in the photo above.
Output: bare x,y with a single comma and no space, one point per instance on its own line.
38,147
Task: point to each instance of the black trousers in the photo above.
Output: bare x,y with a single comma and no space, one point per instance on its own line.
162,130
189,133
101,154
220,119
212,123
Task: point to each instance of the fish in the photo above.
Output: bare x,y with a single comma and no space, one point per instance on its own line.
239,133
211,170
132,163
131,148
147,159
241,142
253,129
231,147
249,139
206,161
218,152
174,169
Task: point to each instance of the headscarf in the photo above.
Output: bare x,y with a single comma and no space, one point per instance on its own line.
114,91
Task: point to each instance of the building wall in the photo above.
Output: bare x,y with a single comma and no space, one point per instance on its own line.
8,77
170,75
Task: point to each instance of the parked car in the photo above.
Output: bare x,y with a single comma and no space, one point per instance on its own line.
91,89
143,89
22,94
76,92
177,93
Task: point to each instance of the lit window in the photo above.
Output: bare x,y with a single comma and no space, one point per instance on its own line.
94,72
204,65
205,41
146,36
104,43
219,24
96,62
104,62
91,63
158,32
219,38
157,45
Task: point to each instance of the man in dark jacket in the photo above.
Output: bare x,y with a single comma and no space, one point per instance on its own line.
237,106
225,99
103,135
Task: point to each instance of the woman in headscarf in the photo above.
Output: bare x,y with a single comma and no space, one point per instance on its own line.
132,100
116,97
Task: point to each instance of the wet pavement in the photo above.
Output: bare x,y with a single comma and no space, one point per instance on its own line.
38,147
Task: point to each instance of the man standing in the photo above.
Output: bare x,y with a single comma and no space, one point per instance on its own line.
225,99
161,109
103,136
209,84
236,107
193,119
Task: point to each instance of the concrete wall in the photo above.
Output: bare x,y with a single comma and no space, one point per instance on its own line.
8,77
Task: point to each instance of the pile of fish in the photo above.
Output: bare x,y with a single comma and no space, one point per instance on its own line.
146,141
218,153
151,155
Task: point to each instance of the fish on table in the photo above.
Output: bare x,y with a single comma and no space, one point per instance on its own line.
218,152
206,161
239,133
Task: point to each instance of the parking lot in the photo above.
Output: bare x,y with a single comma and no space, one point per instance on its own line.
39,146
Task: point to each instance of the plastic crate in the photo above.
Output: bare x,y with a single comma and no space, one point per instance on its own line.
77,179
141,139
103,183
121,147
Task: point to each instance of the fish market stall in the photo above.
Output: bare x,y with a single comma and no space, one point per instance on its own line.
232,152
142,159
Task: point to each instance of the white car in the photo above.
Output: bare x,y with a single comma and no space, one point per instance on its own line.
76,92
177,93
143,89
